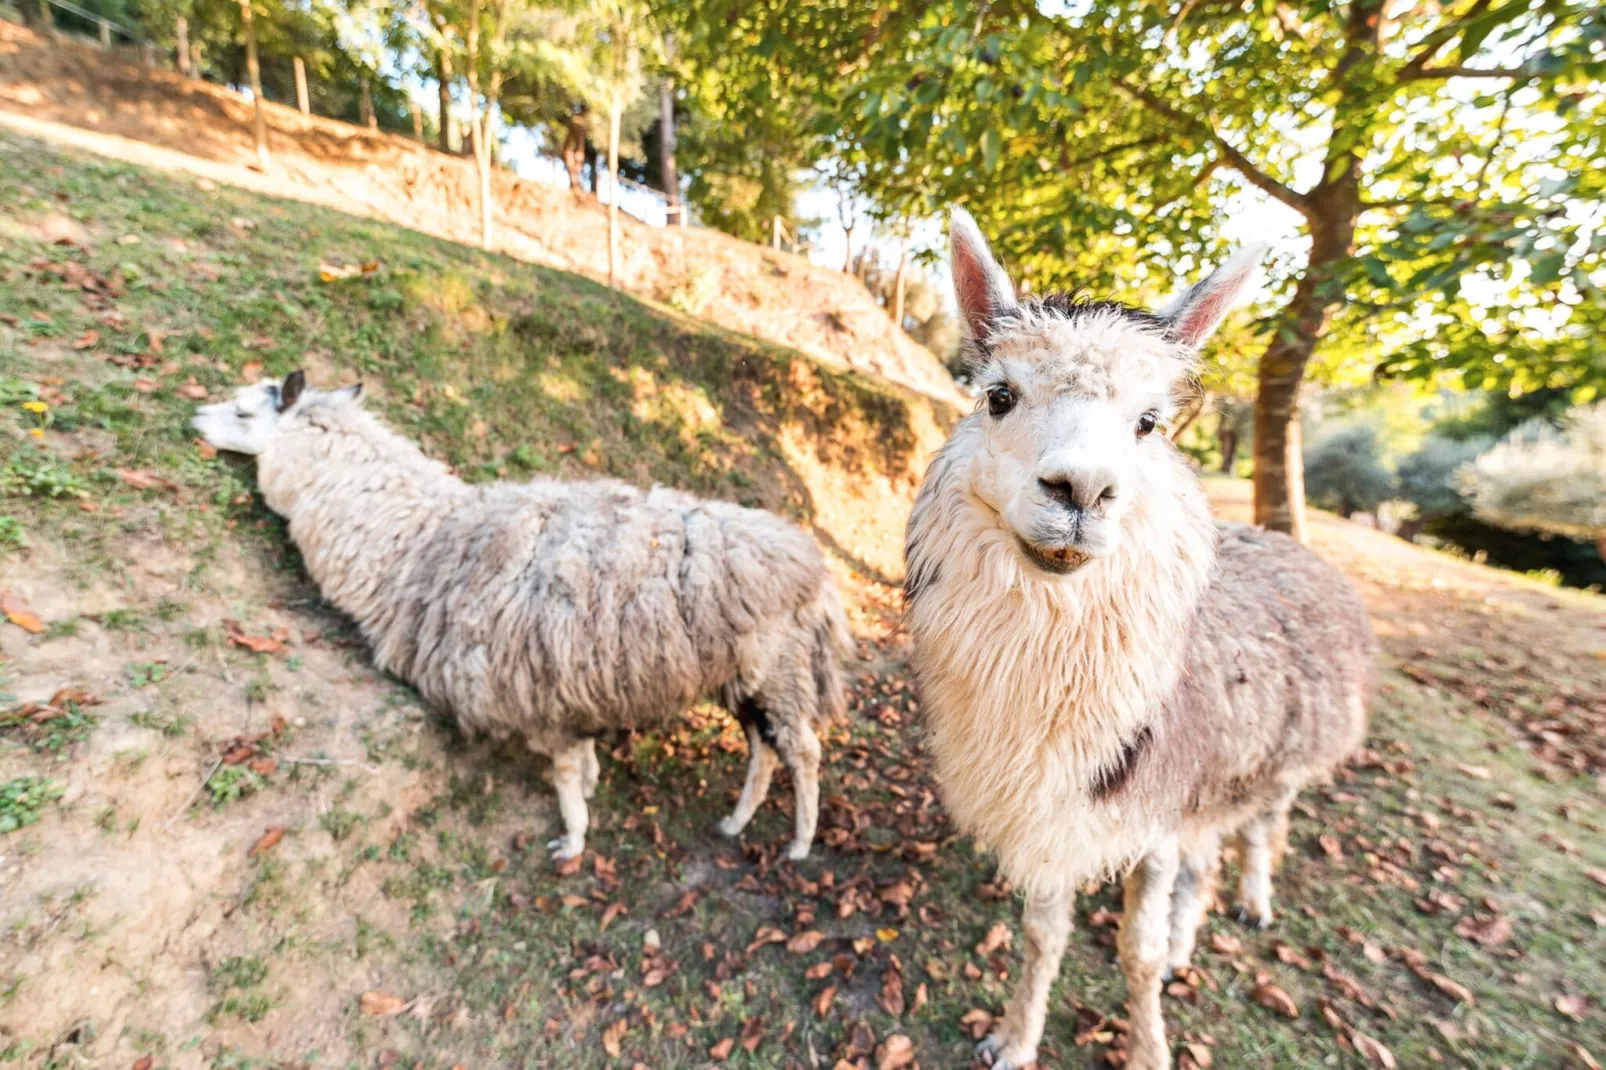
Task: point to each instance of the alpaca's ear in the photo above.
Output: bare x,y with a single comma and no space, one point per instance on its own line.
290,390
353,392
981,288
1193,315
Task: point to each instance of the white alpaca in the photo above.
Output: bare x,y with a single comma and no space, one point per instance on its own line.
1112,684
554,611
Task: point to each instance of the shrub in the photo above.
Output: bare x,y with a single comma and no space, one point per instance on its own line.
1344,470
1546,478
1427,477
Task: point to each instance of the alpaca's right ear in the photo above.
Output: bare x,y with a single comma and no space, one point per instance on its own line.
981,288
290,390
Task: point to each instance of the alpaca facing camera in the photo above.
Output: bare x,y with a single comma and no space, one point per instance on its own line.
1113,683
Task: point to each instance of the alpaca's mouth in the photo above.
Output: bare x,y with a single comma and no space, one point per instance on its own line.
1059,561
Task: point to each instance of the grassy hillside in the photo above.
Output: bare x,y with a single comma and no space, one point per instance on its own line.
226,842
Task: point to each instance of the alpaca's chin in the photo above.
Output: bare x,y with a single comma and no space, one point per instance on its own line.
1054,560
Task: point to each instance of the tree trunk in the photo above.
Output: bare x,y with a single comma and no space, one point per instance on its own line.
898,279
614,108
574,151
597,167
47,21
847,256
479,124
365,104
1227,441
259,122
418,118
443,77
181,30
668,176
303,99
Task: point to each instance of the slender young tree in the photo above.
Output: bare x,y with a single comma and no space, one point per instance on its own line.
253,70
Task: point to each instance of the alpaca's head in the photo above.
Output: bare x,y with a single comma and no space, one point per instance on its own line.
1075,395
256,413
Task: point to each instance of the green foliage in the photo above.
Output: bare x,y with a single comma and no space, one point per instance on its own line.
232,783
1344,469
37,473
12,536
23,799
1544,478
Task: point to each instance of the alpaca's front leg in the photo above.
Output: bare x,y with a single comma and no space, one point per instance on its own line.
1142,944
803,759
590,768
1048,927
568,777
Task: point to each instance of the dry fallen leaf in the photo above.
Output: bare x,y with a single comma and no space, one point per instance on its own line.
612,1035
144,1062
266,841
1372,1051
1274,999
1573,1006
609,916
766,935
381,1004
1490,932
1456,991
977,1022
822,1002
895,1053
804,942
752,1034
1195,1057
192,390
145,479
998,937
721,1051
1585,1059
87,340
18,613
251,370
1225,944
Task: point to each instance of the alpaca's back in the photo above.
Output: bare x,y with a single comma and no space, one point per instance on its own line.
1279,672
590,607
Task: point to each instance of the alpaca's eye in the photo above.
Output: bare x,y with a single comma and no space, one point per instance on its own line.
1000,399
1147,422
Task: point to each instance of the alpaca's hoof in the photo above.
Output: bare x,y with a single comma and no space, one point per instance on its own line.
730,828
565,848
1001,1053
1254,919
798,851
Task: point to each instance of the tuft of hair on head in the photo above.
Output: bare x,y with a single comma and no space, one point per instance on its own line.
290,390
981,288
1194,314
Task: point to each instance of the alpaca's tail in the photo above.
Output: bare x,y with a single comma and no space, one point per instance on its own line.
833,641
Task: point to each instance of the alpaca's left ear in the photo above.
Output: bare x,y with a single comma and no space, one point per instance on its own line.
1193,315
290,389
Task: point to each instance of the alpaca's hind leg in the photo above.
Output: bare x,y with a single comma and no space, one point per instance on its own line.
1261,840
800,750
1048,927
1142,946
590,769
761,762
1191,895
568,777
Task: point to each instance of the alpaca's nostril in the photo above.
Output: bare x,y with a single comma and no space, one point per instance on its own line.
1081,490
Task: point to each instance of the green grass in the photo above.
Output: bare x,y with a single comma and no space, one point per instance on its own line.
504,369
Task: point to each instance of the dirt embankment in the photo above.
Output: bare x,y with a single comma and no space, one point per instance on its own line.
77,95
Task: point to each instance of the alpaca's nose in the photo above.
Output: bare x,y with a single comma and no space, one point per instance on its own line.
1080,489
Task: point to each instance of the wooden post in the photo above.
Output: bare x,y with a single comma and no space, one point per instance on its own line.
303,101
181,30
366,104
259,122
105,34
418,119
775,233
444,88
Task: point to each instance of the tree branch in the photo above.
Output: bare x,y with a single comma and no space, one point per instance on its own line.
1422,74
1439,38
1233,158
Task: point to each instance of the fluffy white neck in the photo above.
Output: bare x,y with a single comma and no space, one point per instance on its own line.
1033,685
